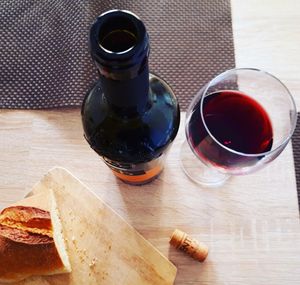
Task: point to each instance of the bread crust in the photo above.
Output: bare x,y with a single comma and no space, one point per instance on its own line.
31,217
26,248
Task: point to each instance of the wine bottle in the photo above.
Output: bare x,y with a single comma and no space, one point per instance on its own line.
130,117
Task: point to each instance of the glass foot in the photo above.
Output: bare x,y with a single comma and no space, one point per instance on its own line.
197,171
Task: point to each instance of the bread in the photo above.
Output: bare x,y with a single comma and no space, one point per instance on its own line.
31,243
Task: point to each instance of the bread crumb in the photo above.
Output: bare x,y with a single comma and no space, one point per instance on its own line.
82,258
93,262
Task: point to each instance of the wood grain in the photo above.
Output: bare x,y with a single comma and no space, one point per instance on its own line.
247,223
103,248
267,36
251,224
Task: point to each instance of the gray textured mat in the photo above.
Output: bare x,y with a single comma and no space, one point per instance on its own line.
296,152
44,59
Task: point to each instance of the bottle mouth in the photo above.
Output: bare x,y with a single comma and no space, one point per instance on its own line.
118,35
119,44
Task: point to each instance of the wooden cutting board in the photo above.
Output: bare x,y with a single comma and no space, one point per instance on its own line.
103,248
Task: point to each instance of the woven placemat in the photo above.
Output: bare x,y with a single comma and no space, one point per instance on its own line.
44,59
296,152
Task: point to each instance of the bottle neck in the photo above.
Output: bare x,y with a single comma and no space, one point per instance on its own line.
119,45
127,97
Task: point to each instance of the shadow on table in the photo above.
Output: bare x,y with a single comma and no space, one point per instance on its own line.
144,204
189,270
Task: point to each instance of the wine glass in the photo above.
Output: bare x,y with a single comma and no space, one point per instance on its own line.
236,124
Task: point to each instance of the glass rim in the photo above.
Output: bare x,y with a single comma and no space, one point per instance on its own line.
282,142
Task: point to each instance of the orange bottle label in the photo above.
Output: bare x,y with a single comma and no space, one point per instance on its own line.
136,173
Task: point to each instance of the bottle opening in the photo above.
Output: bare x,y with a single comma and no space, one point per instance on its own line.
119,41
118,35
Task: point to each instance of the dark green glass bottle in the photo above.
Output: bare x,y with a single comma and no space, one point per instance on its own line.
129,117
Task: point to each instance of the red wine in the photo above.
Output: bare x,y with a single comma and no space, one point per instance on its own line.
236,121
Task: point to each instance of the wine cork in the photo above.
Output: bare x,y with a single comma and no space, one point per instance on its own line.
192,247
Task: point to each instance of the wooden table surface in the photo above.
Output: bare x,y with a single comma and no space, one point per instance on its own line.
251,224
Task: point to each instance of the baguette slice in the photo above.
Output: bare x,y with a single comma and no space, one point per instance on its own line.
31,240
